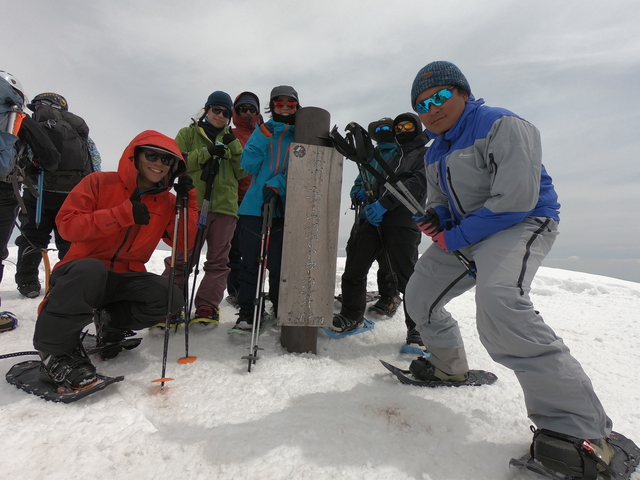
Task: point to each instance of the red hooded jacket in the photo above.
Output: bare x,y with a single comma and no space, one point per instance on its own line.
97,216
243,127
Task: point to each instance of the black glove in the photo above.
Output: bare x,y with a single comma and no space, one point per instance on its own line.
140,211
227,138
430,223
217,150
185,183
268,193
34,168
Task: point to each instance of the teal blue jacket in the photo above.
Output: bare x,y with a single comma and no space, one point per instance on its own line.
266,157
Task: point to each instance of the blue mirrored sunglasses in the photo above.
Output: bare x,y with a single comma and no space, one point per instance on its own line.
437,99
383,128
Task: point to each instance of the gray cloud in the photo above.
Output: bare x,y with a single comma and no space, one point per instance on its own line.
568,67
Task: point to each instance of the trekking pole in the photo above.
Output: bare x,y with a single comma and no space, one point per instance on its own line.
39,201
355,206
167,320
258,303
186,270
365,149
208,175
362,155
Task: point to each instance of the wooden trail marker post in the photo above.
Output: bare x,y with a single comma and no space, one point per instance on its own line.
310,243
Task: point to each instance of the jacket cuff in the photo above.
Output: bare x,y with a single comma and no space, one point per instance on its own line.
123,213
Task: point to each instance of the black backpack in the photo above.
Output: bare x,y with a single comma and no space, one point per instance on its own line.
69,133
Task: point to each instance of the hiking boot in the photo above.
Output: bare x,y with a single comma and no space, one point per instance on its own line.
423,369
206,315
386,305
415,340
29,289
343,324
569,455
245,319
107,335
8,321
71,370
233,301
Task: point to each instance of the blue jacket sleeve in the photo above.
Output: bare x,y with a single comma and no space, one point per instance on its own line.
255,150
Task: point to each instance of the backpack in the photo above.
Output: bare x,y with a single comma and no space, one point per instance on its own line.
69,133
10,120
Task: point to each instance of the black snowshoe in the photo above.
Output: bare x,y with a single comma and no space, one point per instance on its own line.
28,377
475,378
562,457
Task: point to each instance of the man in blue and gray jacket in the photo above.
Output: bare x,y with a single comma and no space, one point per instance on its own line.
491,199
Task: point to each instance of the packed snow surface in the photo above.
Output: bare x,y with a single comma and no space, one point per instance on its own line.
335,415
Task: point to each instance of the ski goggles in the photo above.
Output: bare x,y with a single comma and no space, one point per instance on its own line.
217,111
49,103
247,108
166,158
408,126
383,128
436,99
281,103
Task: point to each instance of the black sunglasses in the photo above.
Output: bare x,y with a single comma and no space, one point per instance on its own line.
225,113
247,108
165,158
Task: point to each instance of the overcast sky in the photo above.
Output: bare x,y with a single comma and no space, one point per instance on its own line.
571,68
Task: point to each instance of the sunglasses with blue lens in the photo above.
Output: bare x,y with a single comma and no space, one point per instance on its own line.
383,128
436,99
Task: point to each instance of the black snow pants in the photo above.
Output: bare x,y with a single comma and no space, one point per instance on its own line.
135,300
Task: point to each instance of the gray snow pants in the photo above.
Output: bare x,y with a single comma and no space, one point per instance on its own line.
558,394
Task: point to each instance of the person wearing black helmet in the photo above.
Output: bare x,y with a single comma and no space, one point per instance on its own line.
79,157
266,157
33,145
389,228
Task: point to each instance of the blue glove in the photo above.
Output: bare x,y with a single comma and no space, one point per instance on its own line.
374,213
361,196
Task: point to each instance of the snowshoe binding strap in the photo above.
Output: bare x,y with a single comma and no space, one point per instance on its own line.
570,455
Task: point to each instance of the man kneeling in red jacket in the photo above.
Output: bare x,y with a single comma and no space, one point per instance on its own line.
115,221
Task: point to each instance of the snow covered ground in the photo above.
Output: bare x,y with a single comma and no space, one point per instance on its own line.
338,414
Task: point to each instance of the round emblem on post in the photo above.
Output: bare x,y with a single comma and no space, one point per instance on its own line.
299,151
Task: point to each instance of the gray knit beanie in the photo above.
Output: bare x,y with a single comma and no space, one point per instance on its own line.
284,90
247,98
437,74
